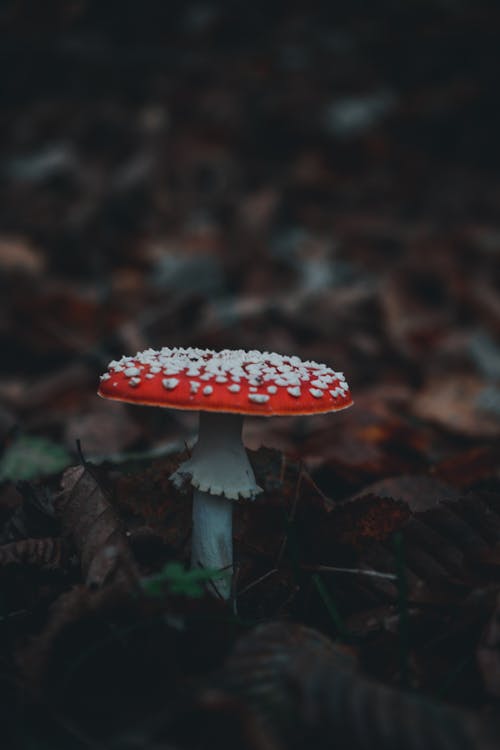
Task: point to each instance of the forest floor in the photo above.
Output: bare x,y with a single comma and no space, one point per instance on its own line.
298,182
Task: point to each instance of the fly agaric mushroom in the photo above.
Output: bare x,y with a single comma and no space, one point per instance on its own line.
224,387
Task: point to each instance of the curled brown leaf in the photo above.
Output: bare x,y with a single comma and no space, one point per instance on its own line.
48,553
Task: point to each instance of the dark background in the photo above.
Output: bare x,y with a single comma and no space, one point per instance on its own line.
279,176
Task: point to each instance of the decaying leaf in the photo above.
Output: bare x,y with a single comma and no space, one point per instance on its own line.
369,518
44,553
455,404
286,686
465,468
374,441
448,545
418,491
148,494
90,522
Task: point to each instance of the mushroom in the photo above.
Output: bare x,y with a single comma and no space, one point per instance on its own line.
224,387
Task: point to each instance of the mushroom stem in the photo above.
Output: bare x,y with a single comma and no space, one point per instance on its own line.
212,540
219,471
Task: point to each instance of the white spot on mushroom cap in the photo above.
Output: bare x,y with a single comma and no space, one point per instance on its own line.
106,376
208,390
234,388
316,392
194,386
281,381
294,391
258,398
322,384
170,383
134,382
132,371
340,390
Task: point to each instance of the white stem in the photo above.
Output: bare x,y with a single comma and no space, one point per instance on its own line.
212,541
219,471
219,463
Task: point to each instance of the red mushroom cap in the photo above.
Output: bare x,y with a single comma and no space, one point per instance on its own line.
233,381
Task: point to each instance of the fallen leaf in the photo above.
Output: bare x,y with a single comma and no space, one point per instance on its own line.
46,553
285,685
465,468
18,255
452,403
92,525
419,492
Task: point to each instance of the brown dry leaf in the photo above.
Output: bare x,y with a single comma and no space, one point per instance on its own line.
367,442
419,492
452,403
286,686
368,518
150,496
90,522
48,553
465,468
449,544
17,254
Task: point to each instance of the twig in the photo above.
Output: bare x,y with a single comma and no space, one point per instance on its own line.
210,583
257,581
79,451
354,571
308,478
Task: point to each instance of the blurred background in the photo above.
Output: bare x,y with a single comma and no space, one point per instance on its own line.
319,179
